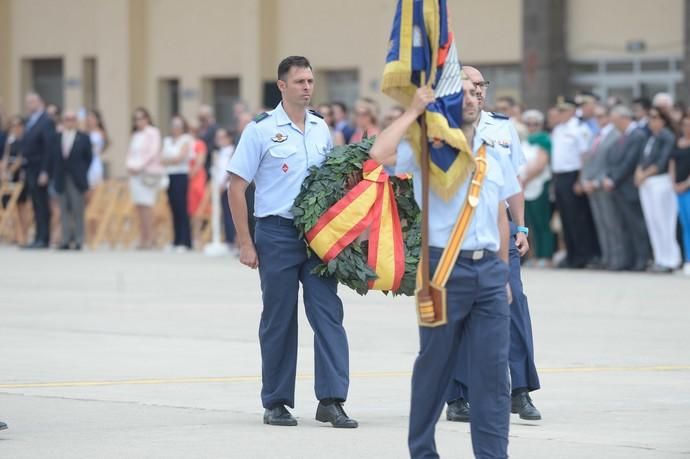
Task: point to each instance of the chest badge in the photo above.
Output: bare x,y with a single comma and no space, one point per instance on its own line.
279,138
285,167
503,143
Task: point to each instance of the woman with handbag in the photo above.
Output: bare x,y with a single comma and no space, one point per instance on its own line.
145,171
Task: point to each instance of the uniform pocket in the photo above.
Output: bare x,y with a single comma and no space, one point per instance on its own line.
282,152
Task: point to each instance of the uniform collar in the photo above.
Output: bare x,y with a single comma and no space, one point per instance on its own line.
480,139
485,119
282,118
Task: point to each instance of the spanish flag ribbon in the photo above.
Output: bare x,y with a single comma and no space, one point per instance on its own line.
369,205
422,52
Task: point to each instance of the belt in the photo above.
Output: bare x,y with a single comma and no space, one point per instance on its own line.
477,255
276,220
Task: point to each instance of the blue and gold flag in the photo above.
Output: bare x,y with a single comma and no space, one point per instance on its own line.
422,51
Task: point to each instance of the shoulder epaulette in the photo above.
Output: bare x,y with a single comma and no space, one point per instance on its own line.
316,114
260,117
499,116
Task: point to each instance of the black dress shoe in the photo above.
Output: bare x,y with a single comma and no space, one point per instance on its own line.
36,245
522,404
335,414
77,246
279,416
3,426
660,269
64,247
458,411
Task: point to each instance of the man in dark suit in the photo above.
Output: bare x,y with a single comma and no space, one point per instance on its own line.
71,159
591,177
619,181
38,139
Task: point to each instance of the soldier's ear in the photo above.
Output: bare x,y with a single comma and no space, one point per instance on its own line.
281,85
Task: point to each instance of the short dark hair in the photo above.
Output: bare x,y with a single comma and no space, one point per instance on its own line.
341,105
292,61
664,117
643,102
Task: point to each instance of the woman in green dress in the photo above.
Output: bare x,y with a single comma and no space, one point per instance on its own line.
535,176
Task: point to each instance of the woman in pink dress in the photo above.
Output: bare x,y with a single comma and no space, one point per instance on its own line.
146,173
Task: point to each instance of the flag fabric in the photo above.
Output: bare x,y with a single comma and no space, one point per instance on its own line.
422,52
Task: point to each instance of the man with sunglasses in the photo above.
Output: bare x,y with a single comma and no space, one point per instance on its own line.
498,128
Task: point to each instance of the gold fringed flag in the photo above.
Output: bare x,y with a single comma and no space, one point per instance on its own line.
370,205
422,51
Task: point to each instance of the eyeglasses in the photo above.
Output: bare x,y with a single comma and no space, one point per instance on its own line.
481,84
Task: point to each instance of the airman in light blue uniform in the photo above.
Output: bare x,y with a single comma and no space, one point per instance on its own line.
276,152
478,316
498,129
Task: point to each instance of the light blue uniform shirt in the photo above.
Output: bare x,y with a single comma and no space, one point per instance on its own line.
499,184
276,155
501,131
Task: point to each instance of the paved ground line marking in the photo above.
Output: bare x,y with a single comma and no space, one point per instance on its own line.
369,374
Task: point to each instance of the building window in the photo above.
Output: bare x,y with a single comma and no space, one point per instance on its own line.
169,101
90,86
505,80
338,85
45,76
627,79
222,94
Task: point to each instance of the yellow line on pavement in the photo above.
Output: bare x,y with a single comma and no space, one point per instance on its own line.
355,375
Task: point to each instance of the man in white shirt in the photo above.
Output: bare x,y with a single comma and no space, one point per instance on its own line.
571,140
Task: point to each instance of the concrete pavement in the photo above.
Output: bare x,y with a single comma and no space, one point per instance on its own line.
155,355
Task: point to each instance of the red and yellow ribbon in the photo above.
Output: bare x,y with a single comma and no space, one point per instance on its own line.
369,205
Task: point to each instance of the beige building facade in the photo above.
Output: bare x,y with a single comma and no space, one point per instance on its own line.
173,55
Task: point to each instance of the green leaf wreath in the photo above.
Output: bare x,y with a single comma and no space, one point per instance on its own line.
324,186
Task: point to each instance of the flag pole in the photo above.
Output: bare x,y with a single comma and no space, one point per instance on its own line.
424,295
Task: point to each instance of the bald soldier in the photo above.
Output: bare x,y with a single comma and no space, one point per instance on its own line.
498,128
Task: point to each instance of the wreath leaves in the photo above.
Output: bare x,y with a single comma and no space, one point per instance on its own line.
324,186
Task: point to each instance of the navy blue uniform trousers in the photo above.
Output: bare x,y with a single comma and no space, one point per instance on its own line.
523,371
479,320
283,264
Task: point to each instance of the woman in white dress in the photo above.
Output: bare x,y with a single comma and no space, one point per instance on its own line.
178,149
99,143
145,171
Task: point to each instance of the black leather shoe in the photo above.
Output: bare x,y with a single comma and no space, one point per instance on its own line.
458,411
36,245
522,404
3,426
335,414
279,416
64,247
660,269
77,246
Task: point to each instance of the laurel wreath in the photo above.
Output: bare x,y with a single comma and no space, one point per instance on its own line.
324,186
